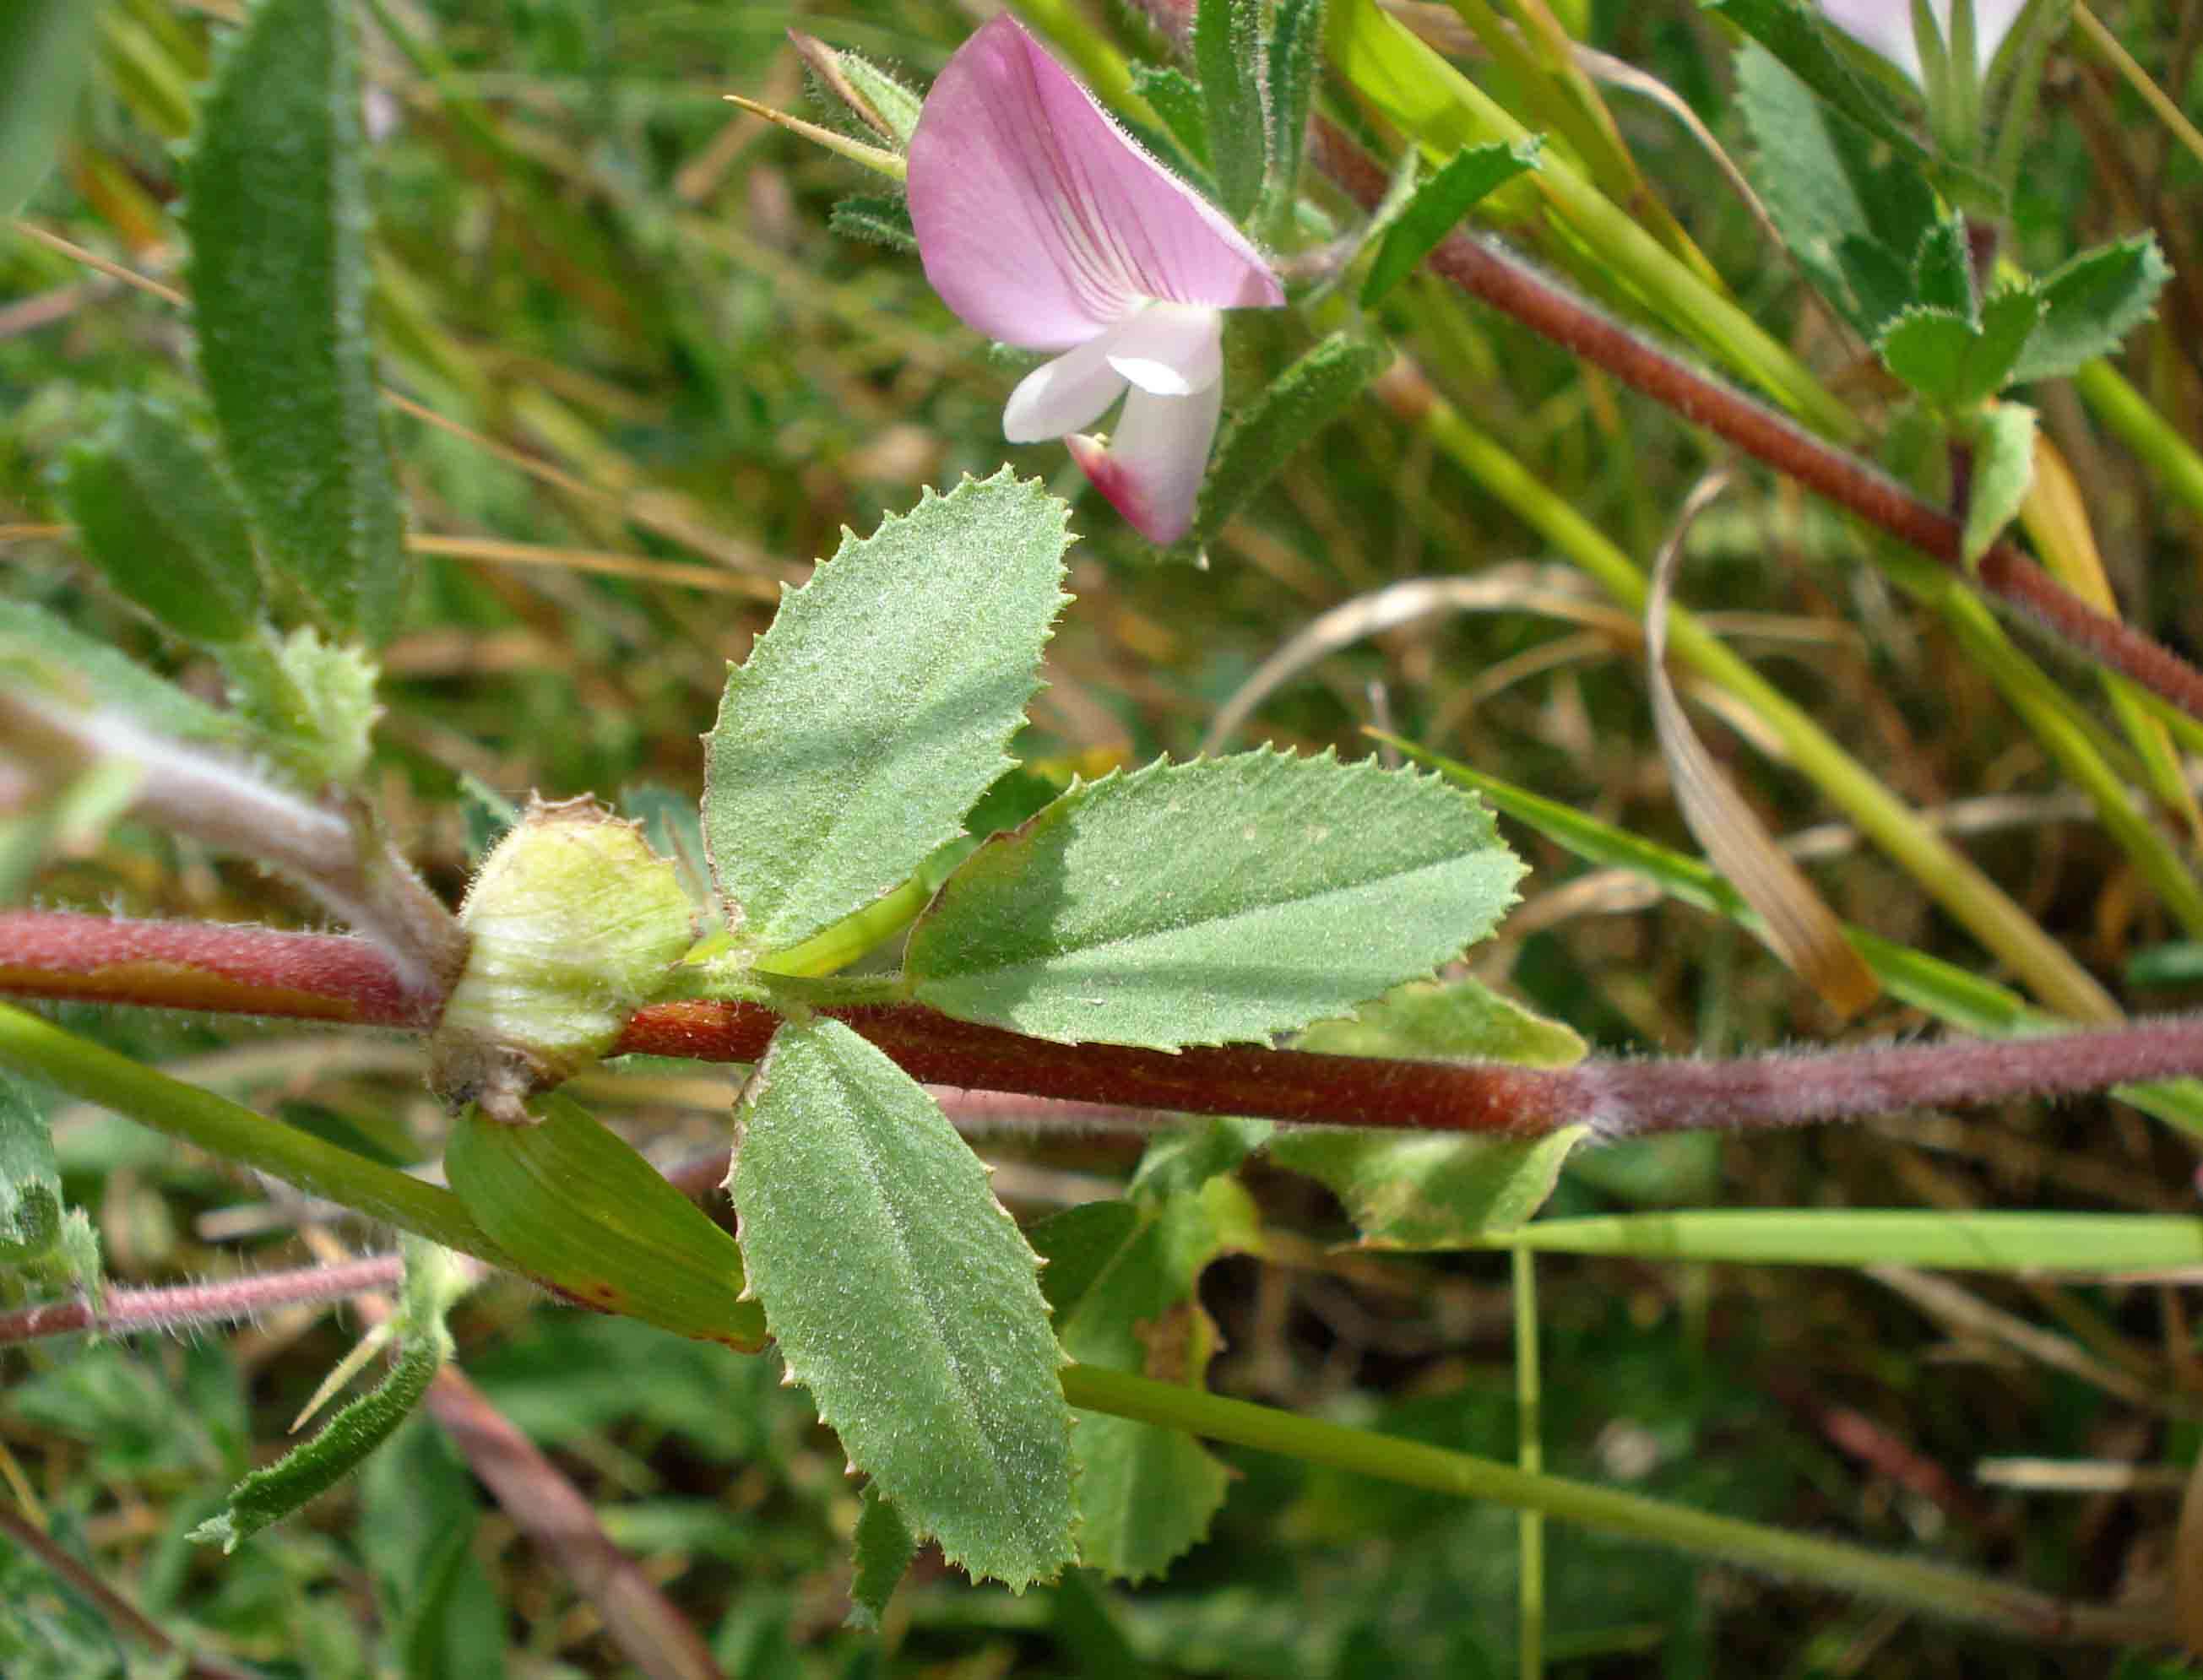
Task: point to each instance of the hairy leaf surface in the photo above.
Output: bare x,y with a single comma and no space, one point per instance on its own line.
154,511
1439,204
2091,303
278,220
903,1296
1227,51
433,1281
1214,901
1311,393
876,709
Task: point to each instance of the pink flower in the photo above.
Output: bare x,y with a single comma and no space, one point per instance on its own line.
1042,224
1886,27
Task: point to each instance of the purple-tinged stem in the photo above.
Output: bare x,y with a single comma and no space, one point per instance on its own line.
1620,1099
125,1311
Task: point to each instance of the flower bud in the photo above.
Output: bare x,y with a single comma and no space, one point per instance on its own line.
574,922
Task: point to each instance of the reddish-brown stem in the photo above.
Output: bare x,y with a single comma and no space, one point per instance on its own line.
203,965
329,977
1486,271
551,1511
1271,1084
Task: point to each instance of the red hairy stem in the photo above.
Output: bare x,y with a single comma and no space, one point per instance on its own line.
938,1049
1486,271
331,977
203,965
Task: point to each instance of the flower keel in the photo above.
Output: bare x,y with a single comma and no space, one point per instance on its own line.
1151,470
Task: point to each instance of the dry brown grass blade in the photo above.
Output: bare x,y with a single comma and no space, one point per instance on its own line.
1796,923
1517,587
2187,1565
2055,517
679,573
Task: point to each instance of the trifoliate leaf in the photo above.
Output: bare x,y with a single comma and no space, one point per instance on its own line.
876,709
1951,361
903,1296
1210,903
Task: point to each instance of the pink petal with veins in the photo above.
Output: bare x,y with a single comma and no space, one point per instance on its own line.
1040,222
